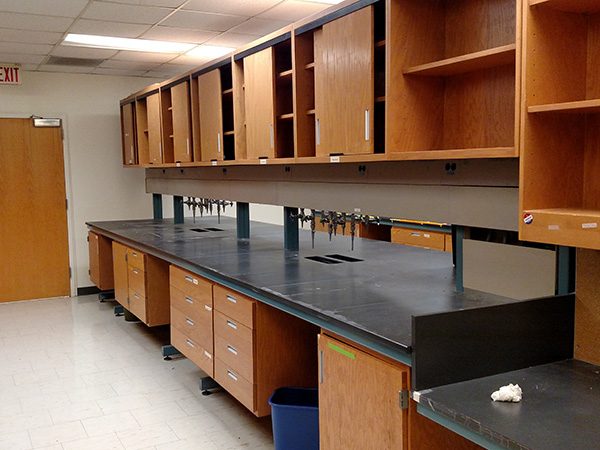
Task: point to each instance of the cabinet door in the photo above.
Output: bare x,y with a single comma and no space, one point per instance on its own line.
344,85
154,129
359,399
101,267
128,140
120,274
259,104
180,103
94,258
211,116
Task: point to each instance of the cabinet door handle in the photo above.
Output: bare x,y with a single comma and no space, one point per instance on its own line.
320,366
190,300
231,349
190,343
208,308
136,296
134,254
190,322
218,142
208,355
160,150
367,124
415,234
231,324
232,375
318,131
187,141
231,299
136,271
272,135
189,279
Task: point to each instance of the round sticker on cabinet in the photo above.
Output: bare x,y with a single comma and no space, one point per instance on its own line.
527,218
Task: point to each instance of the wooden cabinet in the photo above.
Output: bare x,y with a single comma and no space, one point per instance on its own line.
211,116
344,80
419,238
100,259
128,134
141,284
359,399
155,146
141,131
180,113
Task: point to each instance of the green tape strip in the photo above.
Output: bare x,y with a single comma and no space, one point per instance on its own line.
340,350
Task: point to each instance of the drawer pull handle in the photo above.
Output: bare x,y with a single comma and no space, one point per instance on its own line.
231,349
232,375
136,271
232,324
415,234
189,279
231,299
190,300
208,355
208,308
190,343
190,322
134,254
136,296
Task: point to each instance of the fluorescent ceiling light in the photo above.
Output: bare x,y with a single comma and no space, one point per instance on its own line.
209,51
328,2
116,43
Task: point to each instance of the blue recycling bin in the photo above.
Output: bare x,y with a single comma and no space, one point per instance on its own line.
295,416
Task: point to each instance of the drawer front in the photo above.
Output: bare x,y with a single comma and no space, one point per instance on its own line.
235,384
191,284
237,306
190,306
199,330
135,258
233,331
137,280
137,305
200,356
238,357
418,238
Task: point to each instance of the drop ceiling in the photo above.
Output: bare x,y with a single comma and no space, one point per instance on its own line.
32,31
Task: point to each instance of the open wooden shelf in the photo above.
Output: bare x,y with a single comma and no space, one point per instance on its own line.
310,66
380,44
460,153
288,116
228,133
310,112
578,107
485,59
227,91
170,108
578,6
285,73
380,99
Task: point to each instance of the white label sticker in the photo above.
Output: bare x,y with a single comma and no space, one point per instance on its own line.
263,161
357,210
334,159
589,225
427,235
213,163
553,227
195,281
177,164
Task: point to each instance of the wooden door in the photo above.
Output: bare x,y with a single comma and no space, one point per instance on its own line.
128,137
211,116
359,399
344,85
180,102
154,129
141,124
121,274
34,248
259,104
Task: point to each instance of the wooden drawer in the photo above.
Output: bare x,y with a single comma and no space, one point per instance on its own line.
192,307
235,305
200,356
448,243
137,305
200,330
238,356
137,280
233,331
137,259
191,284
418,238
235,384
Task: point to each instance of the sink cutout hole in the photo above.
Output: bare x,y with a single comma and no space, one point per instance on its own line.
345,258
323,260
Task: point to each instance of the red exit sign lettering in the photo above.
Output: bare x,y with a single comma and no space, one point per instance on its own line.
10,74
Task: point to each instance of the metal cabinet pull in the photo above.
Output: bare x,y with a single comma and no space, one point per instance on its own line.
232,375
208,355
134,254
208,308
231,299
272,135
190,300
189,279
188,145
136,271
190,322
231,324
219,142
367,124
318,131
231,349
190,343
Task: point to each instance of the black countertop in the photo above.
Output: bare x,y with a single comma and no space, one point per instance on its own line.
375,297
560,408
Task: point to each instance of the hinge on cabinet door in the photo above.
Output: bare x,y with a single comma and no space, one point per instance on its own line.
320,366
403,399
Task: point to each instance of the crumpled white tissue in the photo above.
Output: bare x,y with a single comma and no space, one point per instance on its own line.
510,393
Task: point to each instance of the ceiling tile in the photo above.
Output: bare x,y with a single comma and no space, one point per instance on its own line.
162,33
33,22
29,67
21,58
125,13
237,7
31,37
68,69
128,65
292,10
163,3
173,69
259,27
33,49
82,52
64,8
203,21
229,39
119,72
102,28
143,56
191,61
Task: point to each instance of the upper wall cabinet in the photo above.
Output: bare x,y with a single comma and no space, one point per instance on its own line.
150,147
560,159
453,78
128,134
180,116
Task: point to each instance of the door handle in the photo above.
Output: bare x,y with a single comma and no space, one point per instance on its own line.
231,349
232,375
188,145
272,135
318,131
231,324
231,299
190,322
218,142
190,300
208,308
367,125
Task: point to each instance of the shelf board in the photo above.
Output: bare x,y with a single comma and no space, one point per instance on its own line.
146,130
170,108
310,66
579,107
380,44
285,73
578,6
171,136
288,116
227,91
380,99
228,133
485,59
459,153
310,112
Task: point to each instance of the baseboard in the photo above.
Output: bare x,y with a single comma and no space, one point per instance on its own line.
88,290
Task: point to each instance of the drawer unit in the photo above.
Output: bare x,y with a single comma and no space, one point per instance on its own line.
191,306
137,305
137,259
232,330
418,238
137,280
199,329
191,284
199,355
237,306
235,384
238,356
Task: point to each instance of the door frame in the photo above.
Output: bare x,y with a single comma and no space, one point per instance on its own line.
68,192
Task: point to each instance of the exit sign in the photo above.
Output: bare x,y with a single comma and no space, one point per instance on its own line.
10,74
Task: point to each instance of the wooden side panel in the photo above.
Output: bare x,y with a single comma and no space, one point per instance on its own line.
180,100
101,265
154,129
303,94
128,135
587,307
211,116
120,269
259,104
166,116
239,109
352,416
344,63
141,123
157,292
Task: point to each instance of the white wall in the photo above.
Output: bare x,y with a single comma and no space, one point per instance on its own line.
262,213
100,188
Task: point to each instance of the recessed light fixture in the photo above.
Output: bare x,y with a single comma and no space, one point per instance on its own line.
117,43
209,51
